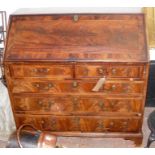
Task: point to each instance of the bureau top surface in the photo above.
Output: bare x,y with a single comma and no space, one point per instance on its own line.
76,37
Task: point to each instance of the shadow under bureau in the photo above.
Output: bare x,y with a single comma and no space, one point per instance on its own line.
78,74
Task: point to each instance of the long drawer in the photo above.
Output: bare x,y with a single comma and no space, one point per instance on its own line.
76,86
92,105
83,123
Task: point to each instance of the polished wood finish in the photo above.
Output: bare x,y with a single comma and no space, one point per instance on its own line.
83,105
81,123
53,62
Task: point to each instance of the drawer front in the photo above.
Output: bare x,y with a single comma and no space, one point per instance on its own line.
78,86
51,71
83,123
123,71
76,104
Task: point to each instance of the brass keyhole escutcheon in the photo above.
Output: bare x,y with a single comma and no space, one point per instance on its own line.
40,103
75,18
50,85
75,103
75,84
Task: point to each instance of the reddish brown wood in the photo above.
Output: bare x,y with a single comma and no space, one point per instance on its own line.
50,71
52,63
86,70
83,123
117,38
83,105
76,86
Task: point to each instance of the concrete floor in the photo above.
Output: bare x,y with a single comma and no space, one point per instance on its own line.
77,142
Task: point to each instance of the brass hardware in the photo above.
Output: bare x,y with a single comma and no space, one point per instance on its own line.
53,121
125,123
113,71
23,107
53,125
112,124
50,85
112,103
75,99
100,70
144,72
75,103
34,70
75,18
113,87
76,121
127,88
37,85
45,70
74,84
49,104
42,122
40,103
41,70
100,125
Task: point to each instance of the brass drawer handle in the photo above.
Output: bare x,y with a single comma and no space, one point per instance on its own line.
40,103
42,122
23,107
113,87
45,106
125,124
101,71
40,70
75,84
53,125
113,71
37,85
49,85
50,103
76,121
100,125
127,88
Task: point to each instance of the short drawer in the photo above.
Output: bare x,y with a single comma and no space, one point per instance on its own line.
42,70
113,71
90,105
76,86
80,123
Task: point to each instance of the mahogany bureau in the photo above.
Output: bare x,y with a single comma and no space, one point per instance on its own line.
78,74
